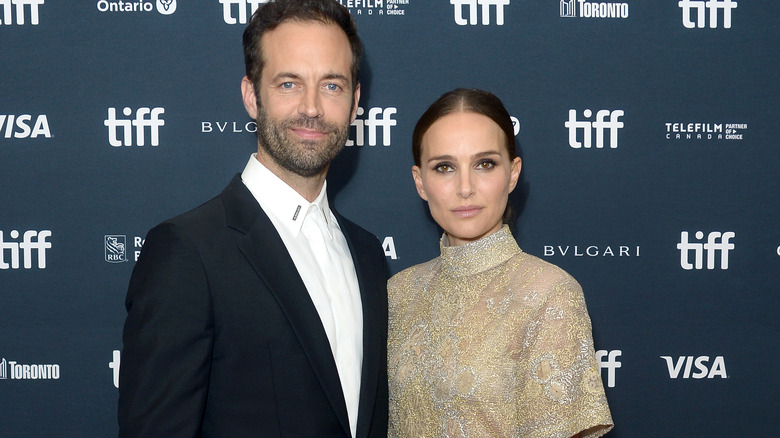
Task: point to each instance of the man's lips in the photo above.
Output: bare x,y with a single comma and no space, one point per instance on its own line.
467,210
308,134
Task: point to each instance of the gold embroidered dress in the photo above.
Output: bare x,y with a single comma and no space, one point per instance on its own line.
488,341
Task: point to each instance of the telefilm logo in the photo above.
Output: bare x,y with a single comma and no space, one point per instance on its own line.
694,12
476,9
13,251
683,365
16,9
22,126
705,131
244,8
144,118
591,251
164,7
12,370
376,7
717,242
608,360
606,120
570,9
368,126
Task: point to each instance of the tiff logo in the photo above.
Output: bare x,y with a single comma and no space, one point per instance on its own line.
600,125
115,364
19,5
700,7
474,6
31,241
371,123
154,122
716,241
611,364
243,6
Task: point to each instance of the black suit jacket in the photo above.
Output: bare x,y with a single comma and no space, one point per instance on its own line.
222,339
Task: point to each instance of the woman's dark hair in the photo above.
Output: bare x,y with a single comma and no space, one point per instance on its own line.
270,15
467,100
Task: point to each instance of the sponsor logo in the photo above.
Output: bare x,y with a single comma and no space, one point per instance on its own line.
141,121
114,365
378,7
694,12
116,248
245,9
587,127
515,124
18,6
778,250
389,246
164,7
31,241
591,251
377,117
475,8
685,364
593,9
227,127
705,131
716,241
12,370
12,126
610,364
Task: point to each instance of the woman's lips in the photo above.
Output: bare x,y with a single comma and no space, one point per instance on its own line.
467,211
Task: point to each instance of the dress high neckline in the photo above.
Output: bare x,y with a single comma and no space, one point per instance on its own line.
479,255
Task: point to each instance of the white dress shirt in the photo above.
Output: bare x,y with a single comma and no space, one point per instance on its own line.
319,250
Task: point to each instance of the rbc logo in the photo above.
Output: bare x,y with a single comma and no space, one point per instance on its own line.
227,10
718,367
600,125
18,6
154,122
22,126
611,364
27,246
116,248
370,124
716,241
474,6
699,6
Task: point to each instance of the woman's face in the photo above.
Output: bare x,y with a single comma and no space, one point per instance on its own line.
466,175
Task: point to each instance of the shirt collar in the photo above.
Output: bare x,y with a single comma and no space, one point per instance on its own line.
282,202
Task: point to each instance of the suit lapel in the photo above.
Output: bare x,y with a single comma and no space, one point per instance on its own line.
265,251
372,326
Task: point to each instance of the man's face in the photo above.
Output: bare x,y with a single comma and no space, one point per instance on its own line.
305,96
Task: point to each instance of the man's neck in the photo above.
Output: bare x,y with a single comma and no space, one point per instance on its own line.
308,187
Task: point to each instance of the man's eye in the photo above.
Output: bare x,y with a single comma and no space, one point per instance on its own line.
332,87
287,84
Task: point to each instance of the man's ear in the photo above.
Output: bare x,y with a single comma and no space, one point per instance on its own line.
418,182
355,100
249,97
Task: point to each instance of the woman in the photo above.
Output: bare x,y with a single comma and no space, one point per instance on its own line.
485,340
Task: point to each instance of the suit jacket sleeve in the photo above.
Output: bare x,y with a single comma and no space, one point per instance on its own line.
168,338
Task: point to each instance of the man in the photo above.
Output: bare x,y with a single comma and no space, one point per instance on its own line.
263,312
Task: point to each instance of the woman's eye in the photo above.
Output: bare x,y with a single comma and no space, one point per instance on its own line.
486,164
443,167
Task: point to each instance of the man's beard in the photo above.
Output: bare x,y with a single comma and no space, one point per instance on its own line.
302,157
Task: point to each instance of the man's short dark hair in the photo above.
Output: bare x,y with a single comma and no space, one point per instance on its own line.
272,14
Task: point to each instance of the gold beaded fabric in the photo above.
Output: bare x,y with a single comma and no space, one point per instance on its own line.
488,341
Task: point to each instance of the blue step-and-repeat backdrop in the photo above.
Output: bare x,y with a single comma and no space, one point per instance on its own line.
649,134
